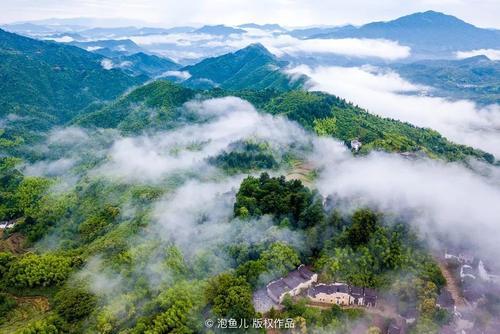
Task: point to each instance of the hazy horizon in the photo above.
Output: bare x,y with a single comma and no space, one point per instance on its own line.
284,12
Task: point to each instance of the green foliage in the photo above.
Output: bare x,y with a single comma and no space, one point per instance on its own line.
53,81
474,78
278,197
10,179
250,68
33,270
364,223
332,116
367,251
7,303
244,157
50,325
280,258
5,262
179,307
153,106
40,208
96,224
230,296
73,304
30,193
325,126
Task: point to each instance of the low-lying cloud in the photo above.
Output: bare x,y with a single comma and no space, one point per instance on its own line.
386,94
436,197
181,75
196,215
278,43
149,158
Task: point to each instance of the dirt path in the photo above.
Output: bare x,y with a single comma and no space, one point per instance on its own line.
451,283
301,170
13,243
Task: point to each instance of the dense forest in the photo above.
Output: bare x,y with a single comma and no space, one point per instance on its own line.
364,248
151,209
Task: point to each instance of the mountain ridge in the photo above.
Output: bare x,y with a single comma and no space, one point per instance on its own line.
251,67
44,77
427,33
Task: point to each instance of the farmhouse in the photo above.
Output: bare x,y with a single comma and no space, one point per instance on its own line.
342,294
302,279
336,293
355,145
295,282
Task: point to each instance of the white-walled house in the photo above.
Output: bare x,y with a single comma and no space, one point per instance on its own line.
355,145
336,293
342,294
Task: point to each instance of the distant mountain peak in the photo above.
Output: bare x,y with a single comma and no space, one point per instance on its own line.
256,47
267,26
219,29
429,17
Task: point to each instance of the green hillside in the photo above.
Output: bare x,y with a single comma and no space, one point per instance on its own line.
150,106
253,67
54,81
476,78
156,105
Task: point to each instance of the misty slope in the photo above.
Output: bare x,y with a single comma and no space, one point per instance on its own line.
129,57
154,106
140,63
427,32
253,67
121,45
54,81
149,106
151,65
476,78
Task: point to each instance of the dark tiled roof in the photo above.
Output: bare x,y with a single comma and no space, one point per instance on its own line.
277,288
328,289
305,272
291,281
445,299
357,291
294,279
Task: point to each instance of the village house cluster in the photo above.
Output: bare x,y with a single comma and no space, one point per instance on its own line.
303,280
476,278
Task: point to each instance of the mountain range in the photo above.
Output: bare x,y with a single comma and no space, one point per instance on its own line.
431,34
63,83
54,79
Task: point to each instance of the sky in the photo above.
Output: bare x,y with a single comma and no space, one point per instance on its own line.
483,13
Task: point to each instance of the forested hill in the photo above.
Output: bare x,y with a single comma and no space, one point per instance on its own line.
53,81
156,105
253,67
476,78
